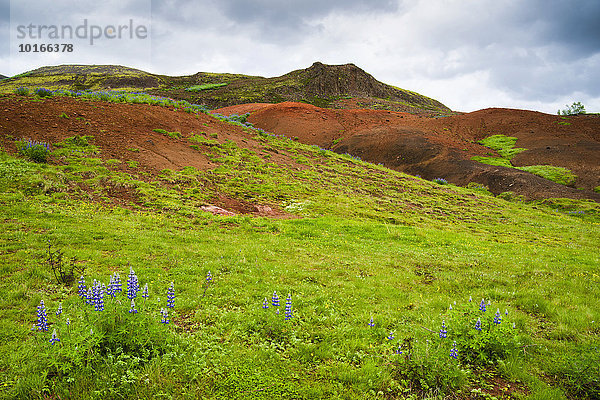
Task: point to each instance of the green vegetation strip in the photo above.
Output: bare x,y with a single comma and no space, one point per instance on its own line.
504,145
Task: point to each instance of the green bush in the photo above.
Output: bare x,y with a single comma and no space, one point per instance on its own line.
574,109
207,86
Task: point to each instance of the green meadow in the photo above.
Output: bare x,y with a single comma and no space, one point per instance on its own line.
389,286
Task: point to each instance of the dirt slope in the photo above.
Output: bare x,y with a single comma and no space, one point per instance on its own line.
125,132
443,147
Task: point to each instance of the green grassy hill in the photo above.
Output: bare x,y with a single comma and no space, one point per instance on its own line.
398,287
321,85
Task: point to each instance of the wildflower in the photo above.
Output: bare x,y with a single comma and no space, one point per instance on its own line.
398,350
265,303
505,311
497,317
132,309
371,323
98,299
478,324
171,296
145,292
450,308
514,325
208,281
391,336
133,285
443,331
81,289
42,323
275,299
117,285
59,311
54,338
288,307
482,305
164,315
470,299
453,352
68,322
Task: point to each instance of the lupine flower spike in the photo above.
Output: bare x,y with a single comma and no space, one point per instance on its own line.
371,323
497,317
59,311
132,310
275,299
470,299
450,308
288,307
443,331
478,324
54,338
265,303
391,336
145,292
42,322
171,296
164,315
399,349
133,285
482,305
208,281
81,289
453,352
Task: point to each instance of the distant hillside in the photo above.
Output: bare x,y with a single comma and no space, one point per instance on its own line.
332,86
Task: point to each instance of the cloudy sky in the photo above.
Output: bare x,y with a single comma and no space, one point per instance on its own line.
468,54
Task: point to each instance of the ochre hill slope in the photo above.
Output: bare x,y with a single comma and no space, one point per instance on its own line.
443,147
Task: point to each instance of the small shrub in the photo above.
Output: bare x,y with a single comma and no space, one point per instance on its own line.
65,271
574,109
597,189
35,151
440,181
172,135
64,115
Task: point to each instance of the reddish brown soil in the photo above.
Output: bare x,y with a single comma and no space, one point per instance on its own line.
125,132
442,147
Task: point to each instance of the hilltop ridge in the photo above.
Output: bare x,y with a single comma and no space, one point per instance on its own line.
333,86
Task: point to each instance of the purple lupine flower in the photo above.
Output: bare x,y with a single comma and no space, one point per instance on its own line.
453,352
371,323
145,292
132,310
265,304
42,322
81,289
288,307
443,331
208,277
164,316
59,311
54,338
391,336
133,285
100,289
470,299
171,296
498,317
506,311
482,305
399,349
478,324
117,285
275,299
